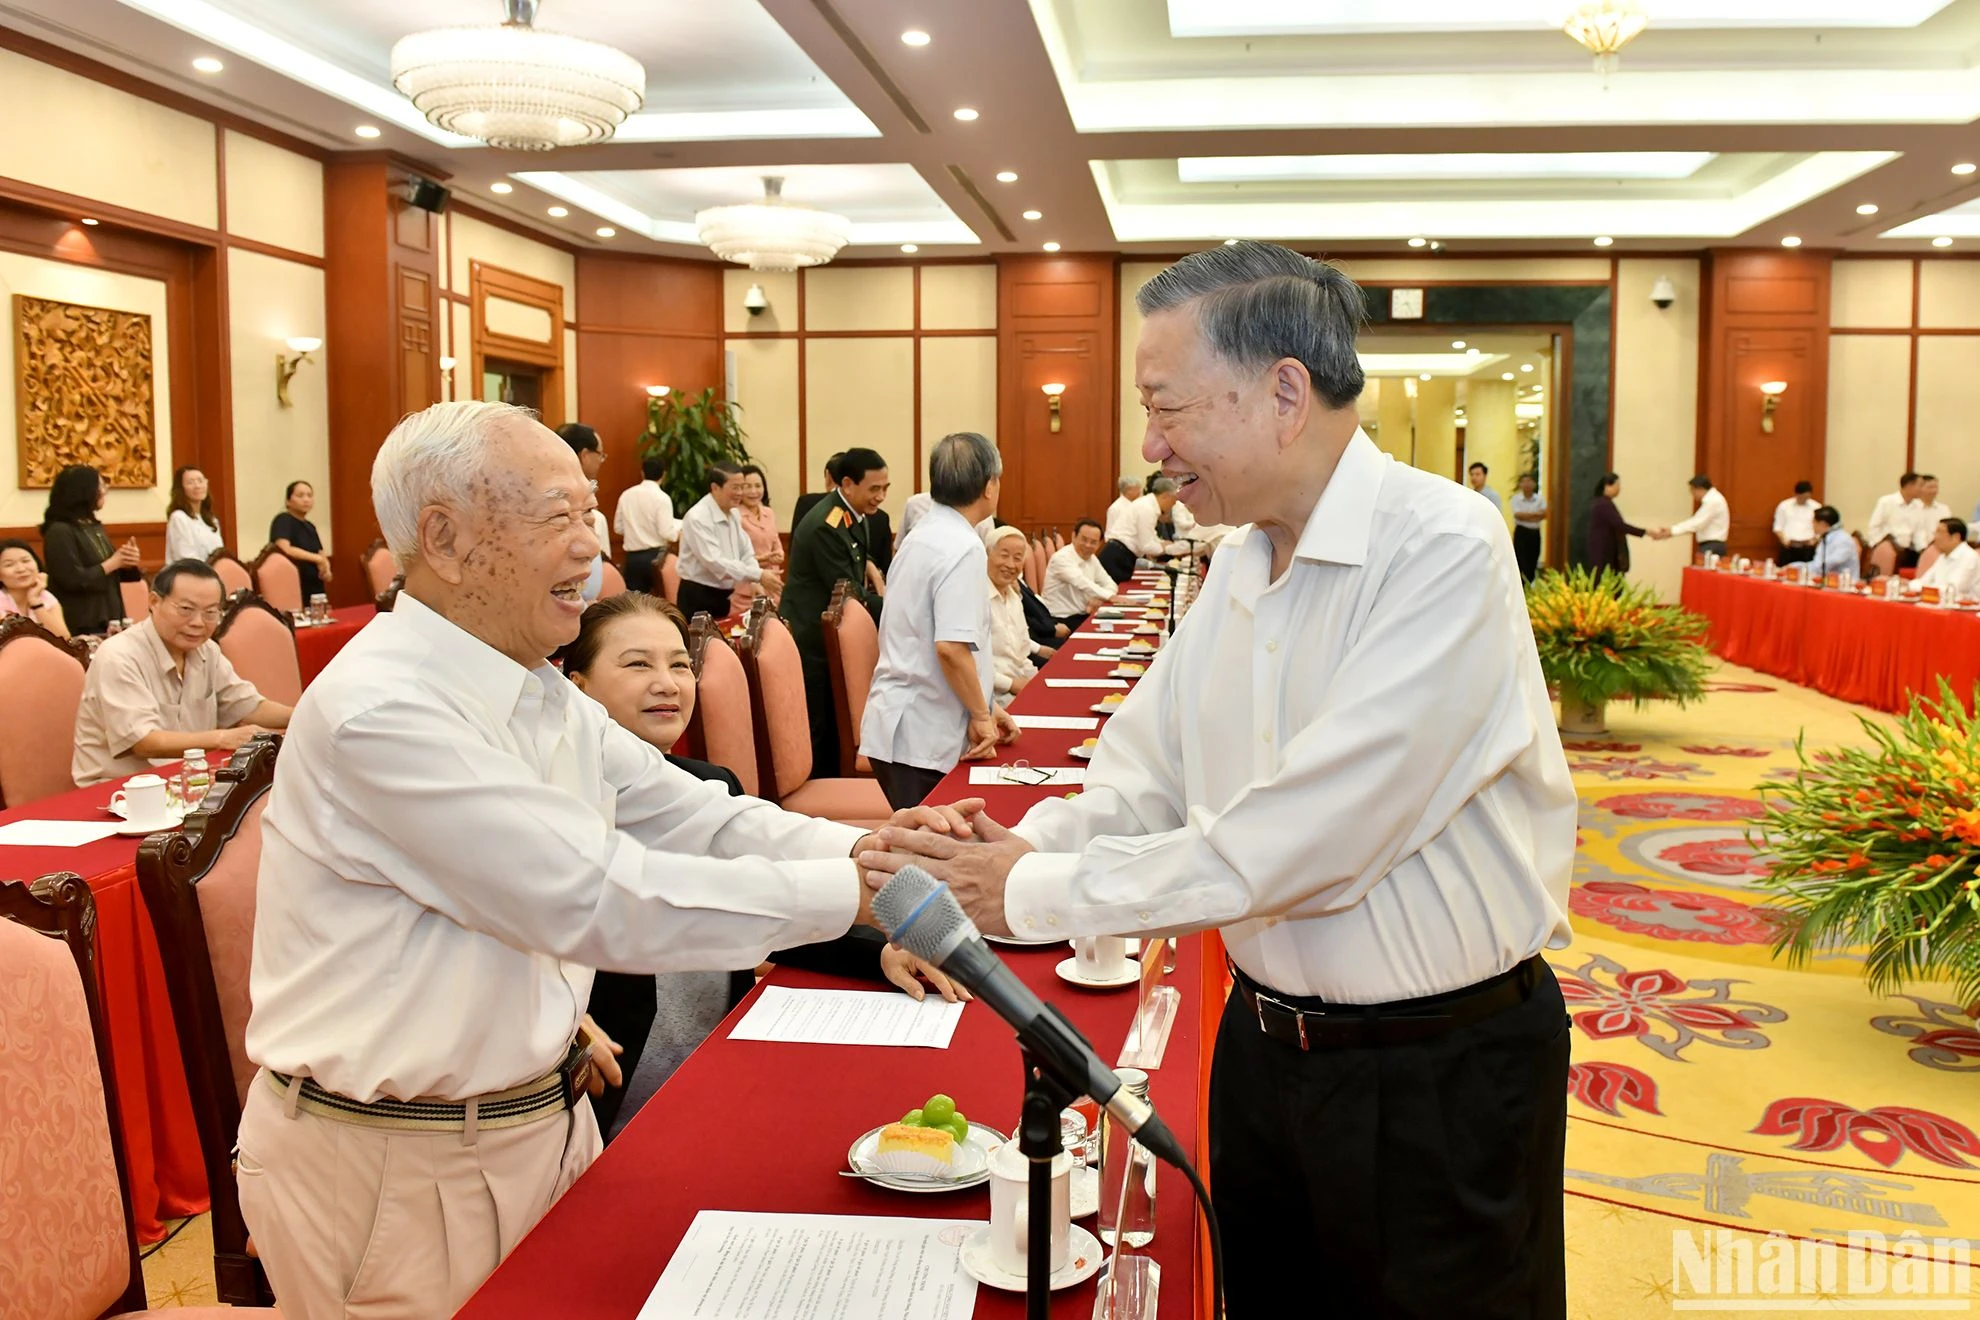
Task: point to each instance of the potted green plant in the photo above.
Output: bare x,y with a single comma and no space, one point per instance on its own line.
688,433
1603,637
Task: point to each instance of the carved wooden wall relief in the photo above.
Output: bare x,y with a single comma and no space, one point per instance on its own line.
83,393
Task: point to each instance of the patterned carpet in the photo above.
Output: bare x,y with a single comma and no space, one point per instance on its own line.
1712,1089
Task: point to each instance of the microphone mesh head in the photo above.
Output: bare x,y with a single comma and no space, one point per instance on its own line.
941,925
898,899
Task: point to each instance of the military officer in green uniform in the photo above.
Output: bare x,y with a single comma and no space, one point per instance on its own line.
830,544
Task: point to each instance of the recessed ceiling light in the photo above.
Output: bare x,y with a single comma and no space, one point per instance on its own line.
91,221
1474,352
1051,247
1526,366
207,64
606,231
559,212
1034,215
1506,376
967,115
1868,208
915,37
1965,167
366,131
1418,242
1457,343
1940,241
1792,240
910,247
1424,376
1006,176
1604,241
504,188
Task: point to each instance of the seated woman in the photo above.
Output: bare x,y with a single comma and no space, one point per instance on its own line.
631,656
24,588
1010,639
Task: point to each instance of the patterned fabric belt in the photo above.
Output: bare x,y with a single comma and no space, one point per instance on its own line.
1314,1024
531,1102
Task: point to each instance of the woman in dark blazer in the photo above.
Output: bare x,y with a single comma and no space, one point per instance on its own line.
1607,546
83,567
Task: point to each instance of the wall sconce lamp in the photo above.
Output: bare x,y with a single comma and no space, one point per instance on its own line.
1770,399
658,391
1052,393
447,377
755,301
285,366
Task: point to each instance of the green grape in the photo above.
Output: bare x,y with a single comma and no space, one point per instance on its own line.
937,1110
913,1118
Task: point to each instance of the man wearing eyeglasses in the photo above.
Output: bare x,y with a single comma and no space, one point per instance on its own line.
159,689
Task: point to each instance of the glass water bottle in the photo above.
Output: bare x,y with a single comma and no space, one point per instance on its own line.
1127,1176
194,778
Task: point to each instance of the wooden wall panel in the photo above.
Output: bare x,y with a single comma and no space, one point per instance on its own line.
1056,322
1767,318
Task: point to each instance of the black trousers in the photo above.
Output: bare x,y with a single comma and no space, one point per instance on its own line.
696,597
1710,547
906,785
641,567
1795,554
623,1004
1404,1182
1526,549
822,713
1118,560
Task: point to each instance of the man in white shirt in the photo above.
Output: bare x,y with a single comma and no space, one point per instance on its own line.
1529,512
1117,551
1075,582
717,555
1794,525
1836,551
645,523
1956,571
1709,523
1889,533
1925,514
930,704
590,449
1162,525
1474,477
1344,759
456,838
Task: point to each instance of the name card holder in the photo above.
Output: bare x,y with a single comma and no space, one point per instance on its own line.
1155,1016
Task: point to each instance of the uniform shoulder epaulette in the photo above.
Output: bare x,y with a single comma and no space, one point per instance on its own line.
836,518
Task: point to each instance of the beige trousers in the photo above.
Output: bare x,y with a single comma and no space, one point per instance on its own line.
361,1223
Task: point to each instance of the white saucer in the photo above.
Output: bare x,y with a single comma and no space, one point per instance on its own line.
972,1169
1069,971
173,818
1083,1259
1118,672
1016,943
1083,753
1102,708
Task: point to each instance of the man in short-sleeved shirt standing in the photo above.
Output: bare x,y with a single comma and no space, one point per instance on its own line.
159,689
930,705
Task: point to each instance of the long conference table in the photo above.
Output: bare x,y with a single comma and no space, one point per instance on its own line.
1864,649
758,1126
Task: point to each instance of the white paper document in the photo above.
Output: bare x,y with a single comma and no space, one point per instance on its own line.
1068,775
849,1017
1086,682
57,833
734,1265
1057,721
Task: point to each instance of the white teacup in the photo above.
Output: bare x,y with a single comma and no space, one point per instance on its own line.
1100,957
1010,1221
142,801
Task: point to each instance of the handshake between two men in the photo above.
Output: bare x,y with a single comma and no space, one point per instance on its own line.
957,844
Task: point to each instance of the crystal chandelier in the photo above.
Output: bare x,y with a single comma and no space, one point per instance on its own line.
772,234
1604,27
513,86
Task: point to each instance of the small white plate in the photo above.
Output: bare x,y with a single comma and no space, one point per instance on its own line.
1102,708
1014,942
1127,673
972,1162
174,817
1083,1260
1081,752
1069,971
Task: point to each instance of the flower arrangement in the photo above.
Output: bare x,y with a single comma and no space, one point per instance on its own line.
1603,637
1880,847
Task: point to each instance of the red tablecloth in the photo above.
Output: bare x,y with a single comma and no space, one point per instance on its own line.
161,1140
1857,648
700,1143
316,647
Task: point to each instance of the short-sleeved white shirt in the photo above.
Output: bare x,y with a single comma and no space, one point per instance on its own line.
938,590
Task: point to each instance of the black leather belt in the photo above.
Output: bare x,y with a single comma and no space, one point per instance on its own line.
1315,1024
552,1093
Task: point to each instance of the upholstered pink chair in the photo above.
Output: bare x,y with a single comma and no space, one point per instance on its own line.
261,645
379,567
234,575
41,686
670,576
615,581
1034,566
852,651
199,889
68,1247
137,600
277,580
783,735
722,729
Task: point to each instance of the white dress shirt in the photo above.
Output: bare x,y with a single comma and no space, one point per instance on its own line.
1071,583
1884,518
1146,542
1910,524
1925,520
1120,520
187,537
917,506
1711,522
1957,572
602,532
644,518
454,842
1010,640
1353,771
715,547
938,590
1529,510
1794,521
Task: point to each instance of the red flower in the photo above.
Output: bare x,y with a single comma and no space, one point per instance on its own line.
1607,1086
1883,1134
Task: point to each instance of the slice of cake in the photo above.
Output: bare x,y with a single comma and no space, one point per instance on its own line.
936,1143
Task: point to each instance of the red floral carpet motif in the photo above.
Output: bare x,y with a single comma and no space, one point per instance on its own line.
1609,1086
1715,807
1574,745
1725,857
1883,1134
1719,685
1672,914
1941,1036
1631,767
1724,751
1662,1010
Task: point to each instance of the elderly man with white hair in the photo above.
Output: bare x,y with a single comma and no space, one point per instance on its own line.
456,839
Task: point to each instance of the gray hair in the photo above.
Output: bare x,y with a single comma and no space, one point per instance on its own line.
1128,485
961,468
1257,303
1162,486
432,457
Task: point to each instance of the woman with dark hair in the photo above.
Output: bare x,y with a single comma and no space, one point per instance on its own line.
24,588
191,530
631,657
760,521
1607,546
295,536
83,566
